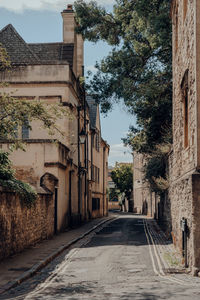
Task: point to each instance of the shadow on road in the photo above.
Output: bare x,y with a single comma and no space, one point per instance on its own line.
128,229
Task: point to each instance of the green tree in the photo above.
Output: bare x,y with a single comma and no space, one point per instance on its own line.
122,176
8,181
138,69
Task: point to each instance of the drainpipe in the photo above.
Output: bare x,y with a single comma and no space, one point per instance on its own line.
151,203
104,180
184,240
79,164
70,195
85,154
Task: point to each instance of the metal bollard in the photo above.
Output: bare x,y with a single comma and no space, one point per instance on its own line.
183,224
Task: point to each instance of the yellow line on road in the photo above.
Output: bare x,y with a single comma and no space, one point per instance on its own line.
160,273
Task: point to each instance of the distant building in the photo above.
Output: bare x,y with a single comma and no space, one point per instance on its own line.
113,198
145,201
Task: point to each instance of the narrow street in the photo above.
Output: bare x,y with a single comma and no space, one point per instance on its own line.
121,260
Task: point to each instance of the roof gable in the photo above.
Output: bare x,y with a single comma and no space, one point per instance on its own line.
20,52
16,47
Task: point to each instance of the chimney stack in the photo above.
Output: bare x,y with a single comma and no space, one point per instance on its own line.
69,7
71,37
69,24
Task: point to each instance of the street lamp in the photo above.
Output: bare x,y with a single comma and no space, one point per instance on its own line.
82,136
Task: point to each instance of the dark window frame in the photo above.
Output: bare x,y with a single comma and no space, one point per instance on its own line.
185,100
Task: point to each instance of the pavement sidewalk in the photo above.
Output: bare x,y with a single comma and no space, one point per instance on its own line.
22,266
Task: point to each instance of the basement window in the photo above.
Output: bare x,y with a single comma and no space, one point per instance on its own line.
185,99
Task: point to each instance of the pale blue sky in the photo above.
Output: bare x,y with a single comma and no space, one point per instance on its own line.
41,21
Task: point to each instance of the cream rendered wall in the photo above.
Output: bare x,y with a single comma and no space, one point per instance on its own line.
37,73
30,166
51,92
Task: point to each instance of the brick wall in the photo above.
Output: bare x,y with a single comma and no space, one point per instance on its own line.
21,227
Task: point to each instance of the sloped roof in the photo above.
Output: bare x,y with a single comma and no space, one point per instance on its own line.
20,52
54,51
16,47
92,111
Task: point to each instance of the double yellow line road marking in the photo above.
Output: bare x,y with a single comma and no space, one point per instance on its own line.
157,260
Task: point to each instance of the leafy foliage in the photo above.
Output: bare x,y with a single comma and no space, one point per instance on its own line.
15,112
156,169
122,176
113,194
4,59
8,181
138,69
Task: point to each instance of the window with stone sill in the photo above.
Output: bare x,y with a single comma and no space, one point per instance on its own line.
25,130
97,142
22,132
185,100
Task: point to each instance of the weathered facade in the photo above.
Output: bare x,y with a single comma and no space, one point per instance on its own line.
97,163
184,163
22,226
50,73
113,201
144,200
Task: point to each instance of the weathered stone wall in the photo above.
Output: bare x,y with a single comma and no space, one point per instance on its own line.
21,227
196,220
184,158
142,196
183,162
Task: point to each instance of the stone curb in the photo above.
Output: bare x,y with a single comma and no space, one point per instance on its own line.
37,267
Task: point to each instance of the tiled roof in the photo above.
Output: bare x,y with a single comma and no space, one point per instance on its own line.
54,51
21,52
92,111
18,50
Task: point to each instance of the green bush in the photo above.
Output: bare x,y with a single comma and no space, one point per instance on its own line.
155,173
7,180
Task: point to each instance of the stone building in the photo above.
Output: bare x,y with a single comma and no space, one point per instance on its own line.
146,201
50,73
97,167
184,163
113,197
143,199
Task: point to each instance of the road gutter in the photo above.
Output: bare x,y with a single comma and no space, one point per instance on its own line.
37,267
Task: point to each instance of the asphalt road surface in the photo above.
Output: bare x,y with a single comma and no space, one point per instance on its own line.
118,262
